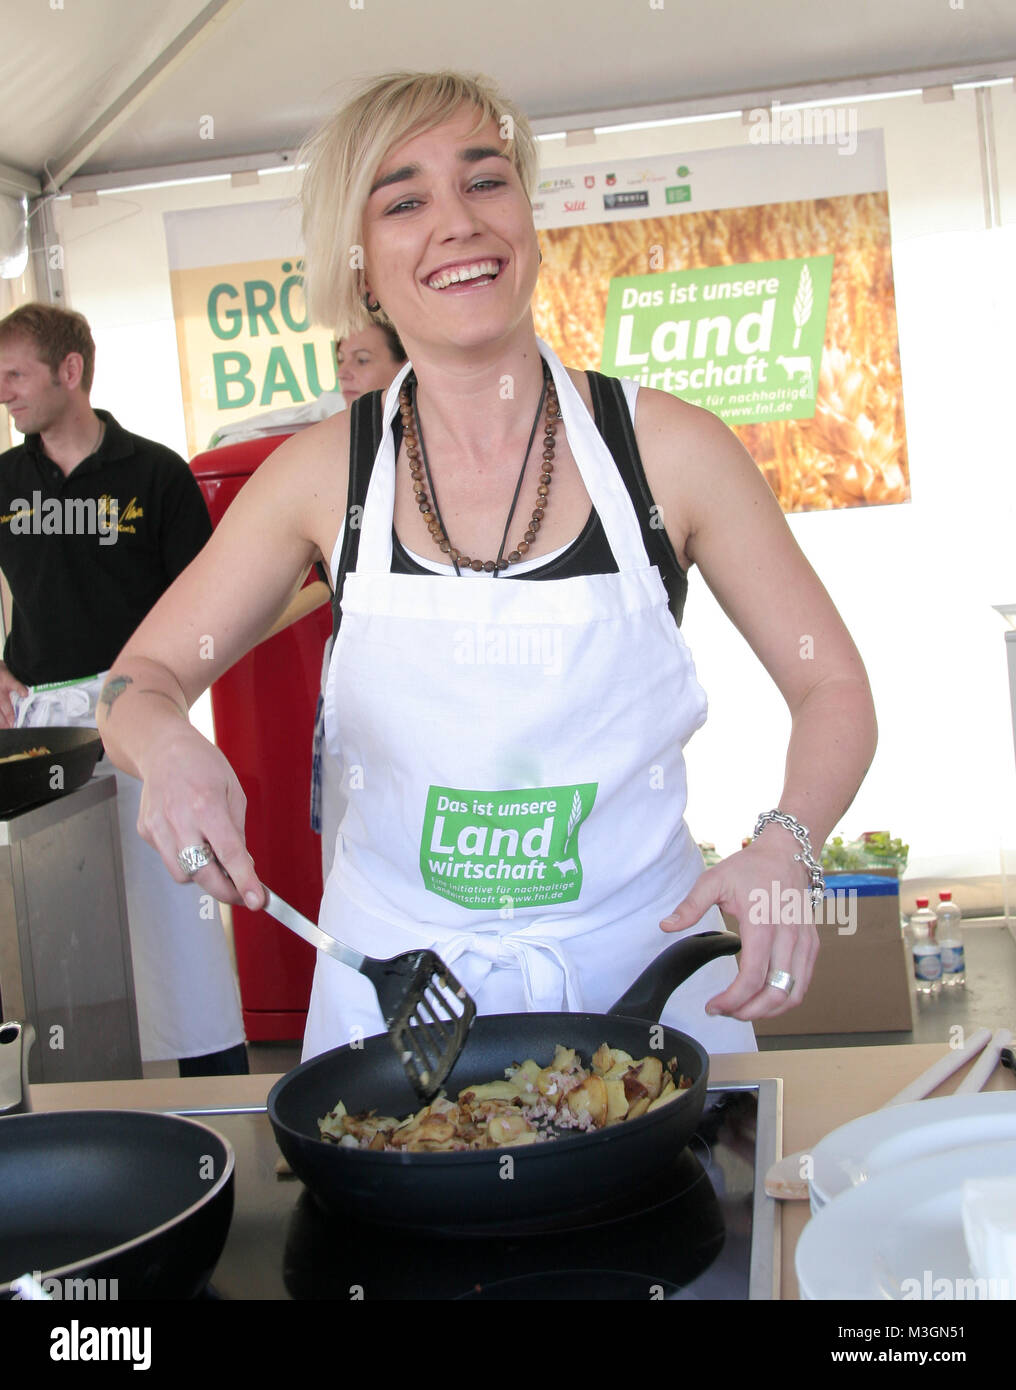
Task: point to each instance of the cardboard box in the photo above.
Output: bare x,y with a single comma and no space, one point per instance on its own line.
861,981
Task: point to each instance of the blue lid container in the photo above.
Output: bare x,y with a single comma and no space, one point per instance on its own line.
864,885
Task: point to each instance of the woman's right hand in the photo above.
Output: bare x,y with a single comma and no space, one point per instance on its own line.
191,797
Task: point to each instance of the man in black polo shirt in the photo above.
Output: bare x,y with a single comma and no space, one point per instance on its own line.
95,524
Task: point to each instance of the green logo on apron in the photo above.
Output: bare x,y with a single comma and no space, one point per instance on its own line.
495,850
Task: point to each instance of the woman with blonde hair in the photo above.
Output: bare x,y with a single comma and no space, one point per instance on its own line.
509,692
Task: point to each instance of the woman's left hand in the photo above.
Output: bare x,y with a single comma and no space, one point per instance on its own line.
777,930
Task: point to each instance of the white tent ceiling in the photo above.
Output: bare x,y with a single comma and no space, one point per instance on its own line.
266,71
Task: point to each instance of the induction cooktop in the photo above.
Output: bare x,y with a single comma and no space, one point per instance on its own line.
705,1231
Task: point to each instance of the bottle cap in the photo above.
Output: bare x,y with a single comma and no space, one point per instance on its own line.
922,902
945,897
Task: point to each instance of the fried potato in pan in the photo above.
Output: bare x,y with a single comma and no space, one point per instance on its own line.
531,1105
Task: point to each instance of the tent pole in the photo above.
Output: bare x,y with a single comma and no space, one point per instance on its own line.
215,13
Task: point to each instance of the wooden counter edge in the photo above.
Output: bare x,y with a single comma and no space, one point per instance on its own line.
824,1088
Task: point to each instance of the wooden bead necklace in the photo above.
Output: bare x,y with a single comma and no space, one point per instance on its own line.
412,434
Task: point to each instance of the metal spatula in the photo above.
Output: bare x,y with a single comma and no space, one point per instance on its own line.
427,1013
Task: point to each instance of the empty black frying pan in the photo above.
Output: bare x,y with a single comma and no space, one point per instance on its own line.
100,1195
536,1185
68,763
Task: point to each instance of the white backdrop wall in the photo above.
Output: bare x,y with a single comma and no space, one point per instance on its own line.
915,583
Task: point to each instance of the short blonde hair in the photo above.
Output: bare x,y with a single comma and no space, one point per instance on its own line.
344,156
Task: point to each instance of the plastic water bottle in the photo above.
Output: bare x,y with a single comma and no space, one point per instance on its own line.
925,950
949,935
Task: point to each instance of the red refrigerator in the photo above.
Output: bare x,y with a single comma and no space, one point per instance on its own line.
264,719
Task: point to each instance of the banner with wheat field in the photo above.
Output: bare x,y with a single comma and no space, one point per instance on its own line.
755,282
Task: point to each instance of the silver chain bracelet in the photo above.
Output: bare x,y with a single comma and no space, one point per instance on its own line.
800,833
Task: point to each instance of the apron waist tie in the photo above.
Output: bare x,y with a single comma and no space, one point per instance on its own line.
37,708
546,974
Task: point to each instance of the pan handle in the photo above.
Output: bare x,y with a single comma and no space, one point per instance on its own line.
16,1041
647,996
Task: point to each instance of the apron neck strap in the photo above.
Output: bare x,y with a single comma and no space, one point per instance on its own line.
596,466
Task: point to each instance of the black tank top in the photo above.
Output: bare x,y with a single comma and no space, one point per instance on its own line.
588,553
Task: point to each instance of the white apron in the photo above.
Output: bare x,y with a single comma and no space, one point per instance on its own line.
511,752
184,984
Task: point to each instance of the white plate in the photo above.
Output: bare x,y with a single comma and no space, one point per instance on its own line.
901,1234
883,1140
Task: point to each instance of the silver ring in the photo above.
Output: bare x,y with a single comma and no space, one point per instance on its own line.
194,857
780,979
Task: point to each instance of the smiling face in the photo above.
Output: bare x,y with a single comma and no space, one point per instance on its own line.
36,397
450,248
364,363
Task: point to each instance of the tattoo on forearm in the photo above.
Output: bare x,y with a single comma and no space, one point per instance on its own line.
113,689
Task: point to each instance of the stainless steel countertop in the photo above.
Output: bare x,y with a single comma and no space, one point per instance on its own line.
21,825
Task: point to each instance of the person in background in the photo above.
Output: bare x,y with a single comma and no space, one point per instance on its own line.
368,360
95,525
361,364
503,494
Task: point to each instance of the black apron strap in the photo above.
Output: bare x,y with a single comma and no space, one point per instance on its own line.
364,442
613,420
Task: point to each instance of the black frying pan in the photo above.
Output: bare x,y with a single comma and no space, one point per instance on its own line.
70,762
536,1185
100,1195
